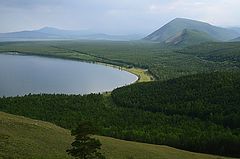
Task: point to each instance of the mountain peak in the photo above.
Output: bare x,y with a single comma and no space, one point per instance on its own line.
47,28
179,24
185,19
182,19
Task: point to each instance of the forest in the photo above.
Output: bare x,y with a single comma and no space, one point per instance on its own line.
197,112
211,97
217,52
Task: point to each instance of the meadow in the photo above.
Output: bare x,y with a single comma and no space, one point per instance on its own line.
19,136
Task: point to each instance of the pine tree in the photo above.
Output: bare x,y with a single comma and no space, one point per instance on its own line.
85,146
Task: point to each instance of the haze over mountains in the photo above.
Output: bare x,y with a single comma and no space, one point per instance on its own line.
50,33
185,29
177,32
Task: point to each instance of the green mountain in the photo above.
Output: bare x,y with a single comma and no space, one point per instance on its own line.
25,138
189,37
179,24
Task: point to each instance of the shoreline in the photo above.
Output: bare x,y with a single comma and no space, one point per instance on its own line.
139,72
142,74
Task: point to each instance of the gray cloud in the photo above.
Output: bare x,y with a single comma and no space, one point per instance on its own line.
115,17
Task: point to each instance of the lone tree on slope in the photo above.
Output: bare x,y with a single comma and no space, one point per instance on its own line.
84,146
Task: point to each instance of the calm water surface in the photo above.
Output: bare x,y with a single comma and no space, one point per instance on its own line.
20,75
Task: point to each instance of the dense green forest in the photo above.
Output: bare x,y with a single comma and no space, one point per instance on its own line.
198,112
210,97
216,52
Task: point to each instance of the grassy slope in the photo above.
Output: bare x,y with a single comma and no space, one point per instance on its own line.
26,138
143,76
189,37
19,135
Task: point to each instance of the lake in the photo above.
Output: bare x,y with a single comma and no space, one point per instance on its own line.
21,74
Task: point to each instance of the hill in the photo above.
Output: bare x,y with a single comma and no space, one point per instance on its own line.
189,37
50,33
27,35
62,32
213,98
179,24
195,96
86,34
26,138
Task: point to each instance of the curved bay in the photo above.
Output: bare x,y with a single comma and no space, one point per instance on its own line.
20,75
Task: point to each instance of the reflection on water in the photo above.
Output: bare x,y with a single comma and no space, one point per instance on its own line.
21,75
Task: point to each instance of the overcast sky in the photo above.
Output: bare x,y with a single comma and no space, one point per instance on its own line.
113,16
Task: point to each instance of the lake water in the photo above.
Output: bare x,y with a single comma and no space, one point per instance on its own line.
20,75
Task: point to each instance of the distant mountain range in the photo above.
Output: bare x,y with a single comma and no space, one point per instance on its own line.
49,33
188,32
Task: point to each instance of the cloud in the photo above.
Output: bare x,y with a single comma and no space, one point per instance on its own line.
218,12
116,17
26,4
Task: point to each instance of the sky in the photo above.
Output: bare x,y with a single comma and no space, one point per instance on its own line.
113,16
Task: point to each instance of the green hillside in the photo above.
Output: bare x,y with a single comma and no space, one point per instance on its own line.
179,24
202,96
216,52
189,37
211,98
24,138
